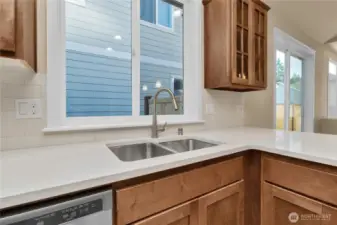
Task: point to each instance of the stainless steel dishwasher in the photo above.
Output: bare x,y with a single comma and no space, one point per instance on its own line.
94,209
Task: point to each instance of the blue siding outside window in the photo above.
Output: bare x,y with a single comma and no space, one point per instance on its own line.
99,57
148,10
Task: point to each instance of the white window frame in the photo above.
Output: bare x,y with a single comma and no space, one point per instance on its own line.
56,74
329,79
157,25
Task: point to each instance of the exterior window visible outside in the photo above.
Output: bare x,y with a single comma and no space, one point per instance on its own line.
105,65
332,90
157,12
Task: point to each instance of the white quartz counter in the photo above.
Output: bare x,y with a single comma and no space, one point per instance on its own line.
29,175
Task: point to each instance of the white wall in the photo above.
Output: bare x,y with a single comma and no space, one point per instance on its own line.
17,83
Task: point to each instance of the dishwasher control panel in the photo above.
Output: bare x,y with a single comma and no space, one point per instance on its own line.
65,215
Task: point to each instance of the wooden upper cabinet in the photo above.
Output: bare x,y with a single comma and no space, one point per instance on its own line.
260,29
230,49
283,207
7,25
18,30
185,214
223,206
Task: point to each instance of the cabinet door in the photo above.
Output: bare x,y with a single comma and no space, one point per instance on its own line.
260,46
223,206
283,207
242,31
329,216
7,25
185,214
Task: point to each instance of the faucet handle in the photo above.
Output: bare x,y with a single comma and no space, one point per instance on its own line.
163,128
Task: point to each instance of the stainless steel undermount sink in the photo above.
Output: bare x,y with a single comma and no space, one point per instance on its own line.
147,150
187,145
134,152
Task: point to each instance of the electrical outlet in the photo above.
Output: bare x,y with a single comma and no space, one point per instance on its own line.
28,108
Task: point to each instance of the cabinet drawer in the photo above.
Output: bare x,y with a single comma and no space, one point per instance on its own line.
139,201
311,182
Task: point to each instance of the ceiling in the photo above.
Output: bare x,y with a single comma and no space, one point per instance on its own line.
316,18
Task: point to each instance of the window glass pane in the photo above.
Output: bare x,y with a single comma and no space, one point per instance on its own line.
280,89
148,10
161,66
295,94
332,68
332,90
164,14
98,58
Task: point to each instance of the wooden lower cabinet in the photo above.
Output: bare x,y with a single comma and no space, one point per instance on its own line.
224,206
283,207
330,214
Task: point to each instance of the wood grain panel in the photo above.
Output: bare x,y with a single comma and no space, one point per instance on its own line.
252,178
217,42
136,202
311,182
279,204
26,32
329,216
223,206
7,25
185,214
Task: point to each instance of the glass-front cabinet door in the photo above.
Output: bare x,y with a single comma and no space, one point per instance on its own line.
260,45
241,71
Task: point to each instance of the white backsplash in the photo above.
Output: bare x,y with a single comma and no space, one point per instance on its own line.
17,83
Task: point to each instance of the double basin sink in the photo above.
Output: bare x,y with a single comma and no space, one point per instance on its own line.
134,152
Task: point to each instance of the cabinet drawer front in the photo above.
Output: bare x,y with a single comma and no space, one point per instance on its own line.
137,202
311,182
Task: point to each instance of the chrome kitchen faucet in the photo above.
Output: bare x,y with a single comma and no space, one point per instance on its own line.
154,127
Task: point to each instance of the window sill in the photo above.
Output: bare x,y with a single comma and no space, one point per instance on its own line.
157,26
62,129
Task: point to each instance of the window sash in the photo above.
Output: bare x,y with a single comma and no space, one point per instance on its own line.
56,79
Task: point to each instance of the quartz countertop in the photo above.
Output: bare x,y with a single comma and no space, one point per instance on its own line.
28,175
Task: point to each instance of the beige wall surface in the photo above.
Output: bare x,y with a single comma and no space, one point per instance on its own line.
328,126
18,83
259,106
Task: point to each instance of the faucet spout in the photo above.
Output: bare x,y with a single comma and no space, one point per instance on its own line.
154,128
